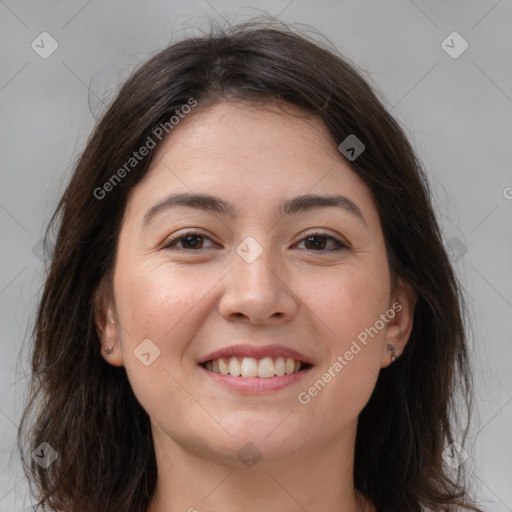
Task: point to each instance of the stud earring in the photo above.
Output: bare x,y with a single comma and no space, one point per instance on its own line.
110,350
392,349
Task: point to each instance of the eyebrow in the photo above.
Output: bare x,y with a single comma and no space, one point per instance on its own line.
215,204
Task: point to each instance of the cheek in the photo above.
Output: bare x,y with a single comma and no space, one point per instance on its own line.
165,304
350,303
155,299
161,303
349,300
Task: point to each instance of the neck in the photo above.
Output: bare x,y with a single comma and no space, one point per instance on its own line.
317,480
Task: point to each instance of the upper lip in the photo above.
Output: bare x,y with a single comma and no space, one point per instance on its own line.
257,352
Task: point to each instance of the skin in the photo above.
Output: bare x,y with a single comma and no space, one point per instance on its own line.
190,302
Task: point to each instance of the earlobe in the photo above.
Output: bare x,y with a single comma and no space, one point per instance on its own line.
400,324
107,331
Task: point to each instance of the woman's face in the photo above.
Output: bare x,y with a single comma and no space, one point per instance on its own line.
262,270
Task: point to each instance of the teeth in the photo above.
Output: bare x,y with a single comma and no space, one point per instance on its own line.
223,366
280,366
266,368
251,367
234,367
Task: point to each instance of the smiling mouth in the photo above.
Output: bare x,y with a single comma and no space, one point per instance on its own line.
264,368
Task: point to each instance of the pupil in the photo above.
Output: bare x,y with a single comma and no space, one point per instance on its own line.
192,240
317,241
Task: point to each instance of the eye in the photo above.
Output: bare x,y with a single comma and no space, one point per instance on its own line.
321,242
189,241
318,242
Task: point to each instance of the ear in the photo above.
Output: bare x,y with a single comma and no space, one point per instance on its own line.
399,327
106,326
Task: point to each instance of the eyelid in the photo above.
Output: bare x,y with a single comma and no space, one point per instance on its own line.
186,232
341,242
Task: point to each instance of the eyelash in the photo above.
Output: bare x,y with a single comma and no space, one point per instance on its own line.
339,244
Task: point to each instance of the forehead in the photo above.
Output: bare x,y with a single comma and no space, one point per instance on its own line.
229,129
249,155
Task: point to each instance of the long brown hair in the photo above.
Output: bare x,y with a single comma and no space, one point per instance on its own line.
85,409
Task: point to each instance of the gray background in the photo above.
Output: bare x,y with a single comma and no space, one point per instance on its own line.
457,112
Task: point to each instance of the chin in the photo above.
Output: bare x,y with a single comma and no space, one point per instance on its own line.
259,442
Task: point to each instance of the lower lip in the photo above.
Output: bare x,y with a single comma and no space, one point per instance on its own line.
256,385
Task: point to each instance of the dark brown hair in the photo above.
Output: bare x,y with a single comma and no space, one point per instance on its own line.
85,409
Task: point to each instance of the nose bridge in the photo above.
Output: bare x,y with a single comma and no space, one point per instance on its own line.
255,266
255,288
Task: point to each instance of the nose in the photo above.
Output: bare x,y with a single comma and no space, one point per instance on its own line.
257,292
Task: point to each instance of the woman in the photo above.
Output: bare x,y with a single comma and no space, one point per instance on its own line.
249,306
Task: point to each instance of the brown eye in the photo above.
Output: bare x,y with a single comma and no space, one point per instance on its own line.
188,241
322,243
192,242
